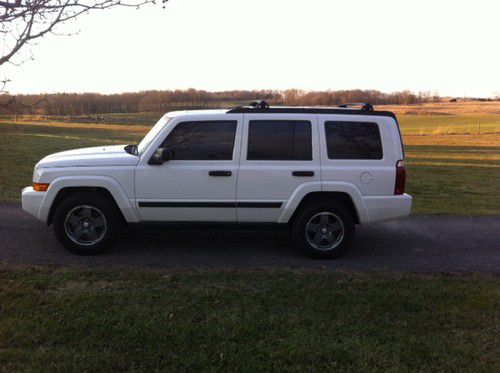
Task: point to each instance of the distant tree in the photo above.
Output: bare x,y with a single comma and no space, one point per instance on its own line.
163,101
23,22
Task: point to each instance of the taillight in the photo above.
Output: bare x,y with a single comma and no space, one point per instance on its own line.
399,187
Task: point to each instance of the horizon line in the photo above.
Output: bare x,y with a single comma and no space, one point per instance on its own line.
435,93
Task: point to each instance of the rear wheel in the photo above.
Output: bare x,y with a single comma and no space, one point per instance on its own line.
86,223
324,229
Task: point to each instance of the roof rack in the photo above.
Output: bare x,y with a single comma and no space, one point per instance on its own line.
345,109
261,104
363,105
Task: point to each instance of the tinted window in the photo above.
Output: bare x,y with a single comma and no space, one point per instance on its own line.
353,140
279,140
212,140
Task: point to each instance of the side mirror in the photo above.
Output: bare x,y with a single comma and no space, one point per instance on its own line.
161,155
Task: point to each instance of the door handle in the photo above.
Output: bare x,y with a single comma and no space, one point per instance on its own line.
219,173
303,173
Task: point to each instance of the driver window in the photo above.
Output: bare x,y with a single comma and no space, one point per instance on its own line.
202,140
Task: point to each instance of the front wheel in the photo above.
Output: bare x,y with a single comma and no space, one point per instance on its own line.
324,230
86,223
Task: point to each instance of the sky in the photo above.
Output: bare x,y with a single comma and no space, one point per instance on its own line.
450,47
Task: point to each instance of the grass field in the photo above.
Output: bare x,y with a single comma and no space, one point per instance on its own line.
67,319
453,160
453,163
446,108
450,124
88,320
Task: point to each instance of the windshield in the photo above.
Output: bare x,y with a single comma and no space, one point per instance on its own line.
143,145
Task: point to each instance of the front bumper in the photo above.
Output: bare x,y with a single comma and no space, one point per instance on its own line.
32,201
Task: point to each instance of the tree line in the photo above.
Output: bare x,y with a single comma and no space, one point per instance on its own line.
162,101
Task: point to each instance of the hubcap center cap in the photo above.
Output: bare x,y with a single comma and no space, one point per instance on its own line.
86,224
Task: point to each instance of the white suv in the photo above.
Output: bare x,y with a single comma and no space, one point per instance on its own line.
319,170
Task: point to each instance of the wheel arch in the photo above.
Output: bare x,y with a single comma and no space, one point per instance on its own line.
67,191
346,193
62,187
341,197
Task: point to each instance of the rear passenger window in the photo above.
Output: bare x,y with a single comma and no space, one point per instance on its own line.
207,140
279,140
353,140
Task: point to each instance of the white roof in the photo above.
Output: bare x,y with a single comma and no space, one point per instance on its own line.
172,114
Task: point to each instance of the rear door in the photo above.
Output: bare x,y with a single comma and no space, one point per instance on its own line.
199,182
279,152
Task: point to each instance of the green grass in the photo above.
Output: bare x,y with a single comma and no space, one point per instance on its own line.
22,146
253,321
447,177
453,180
449,124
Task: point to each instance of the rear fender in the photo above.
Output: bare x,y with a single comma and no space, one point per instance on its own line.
333,186
298,194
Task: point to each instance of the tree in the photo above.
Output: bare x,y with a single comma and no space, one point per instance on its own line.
22,22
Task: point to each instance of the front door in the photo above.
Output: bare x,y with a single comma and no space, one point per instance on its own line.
198,183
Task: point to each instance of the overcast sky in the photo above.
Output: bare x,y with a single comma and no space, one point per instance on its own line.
452,47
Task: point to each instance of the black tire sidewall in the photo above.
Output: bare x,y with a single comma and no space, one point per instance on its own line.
92,199
303,217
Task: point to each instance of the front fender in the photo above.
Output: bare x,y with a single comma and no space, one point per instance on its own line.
108,183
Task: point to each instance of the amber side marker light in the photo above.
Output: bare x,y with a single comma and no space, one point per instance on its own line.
39,187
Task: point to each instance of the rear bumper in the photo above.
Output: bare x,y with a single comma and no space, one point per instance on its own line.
32,201
381,208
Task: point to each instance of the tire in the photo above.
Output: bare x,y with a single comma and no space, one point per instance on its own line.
86,223
330,229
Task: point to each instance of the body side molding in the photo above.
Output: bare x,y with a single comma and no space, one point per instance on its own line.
210,204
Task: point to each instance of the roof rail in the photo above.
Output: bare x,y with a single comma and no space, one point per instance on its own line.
364,105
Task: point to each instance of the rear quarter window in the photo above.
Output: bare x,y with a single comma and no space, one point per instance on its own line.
353,140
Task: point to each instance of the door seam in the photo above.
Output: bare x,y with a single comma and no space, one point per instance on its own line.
239,163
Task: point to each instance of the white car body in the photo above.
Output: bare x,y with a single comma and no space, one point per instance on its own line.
256,191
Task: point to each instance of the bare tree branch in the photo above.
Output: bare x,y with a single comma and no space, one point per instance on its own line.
24,21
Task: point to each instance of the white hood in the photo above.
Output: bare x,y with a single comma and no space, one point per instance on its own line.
97,156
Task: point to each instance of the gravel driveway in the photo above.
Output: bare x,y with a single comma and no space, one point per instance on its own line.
414,244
